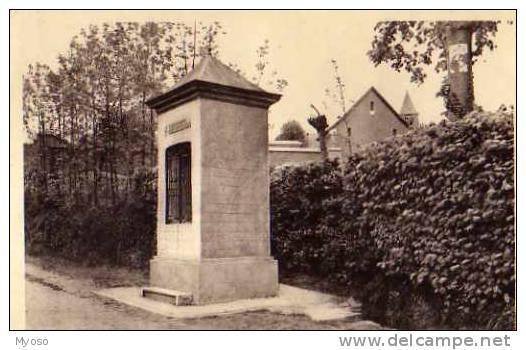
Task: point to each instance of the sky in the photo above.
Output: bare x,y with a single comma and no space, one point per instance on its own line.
302,44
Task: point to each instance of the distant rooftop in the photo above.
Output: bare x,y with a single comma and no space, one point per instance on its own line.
407,106
373,90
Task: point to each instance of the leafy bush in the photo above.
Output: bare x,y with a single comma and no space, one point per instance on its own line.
299,203
426,219
122,233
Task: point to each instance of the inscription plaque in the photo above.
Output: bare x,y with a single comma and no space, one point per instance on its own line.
177,126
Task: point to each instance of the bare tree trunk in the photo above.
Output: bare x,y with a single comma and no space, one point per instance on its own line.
95,162
152,140
143,113
108,154
322,135
73,166
43,153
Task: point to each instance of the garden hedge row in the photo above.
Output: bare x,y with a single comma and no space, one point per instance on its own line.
63,225
425,219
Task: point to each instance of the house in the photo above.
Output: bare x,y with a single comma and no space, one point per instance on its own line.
372,119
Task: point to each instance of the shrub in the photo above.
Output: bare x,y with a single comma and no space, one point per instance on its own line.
122,233
299,203
425,219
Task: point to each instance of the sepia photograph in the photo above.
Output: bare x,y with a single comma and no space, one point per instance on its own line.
263,170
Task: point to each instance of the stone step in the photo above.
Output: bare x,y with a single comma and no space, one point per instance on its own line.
170,296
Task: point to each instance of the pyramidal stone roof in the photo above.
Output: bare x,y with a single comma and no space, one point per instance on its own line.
407,106
214,80
212,70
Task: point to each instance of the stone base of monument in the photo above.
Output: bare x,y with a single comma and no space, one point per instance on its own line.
216,280
289,301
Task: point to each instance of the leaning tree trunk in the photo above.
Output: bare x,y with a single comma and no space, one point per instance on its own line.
458,41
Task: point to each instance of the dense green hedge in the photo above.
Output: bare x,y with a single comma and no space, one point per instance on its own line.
423,228
63,225
300,200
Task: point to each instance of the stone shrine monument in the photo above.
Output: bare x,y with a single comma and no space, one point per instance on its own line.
213,232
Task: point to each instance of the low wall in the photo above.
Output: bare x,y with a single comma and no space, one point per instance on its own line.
294,155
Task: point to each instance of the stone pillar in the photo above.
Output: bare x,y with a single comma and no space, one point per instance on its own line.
458,41
223,252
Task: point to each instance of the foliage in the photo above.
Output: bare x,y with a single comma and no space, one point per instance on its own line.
412,45
425,219
96,98
299,196
292,131
88,171
122,233
93,198
262,67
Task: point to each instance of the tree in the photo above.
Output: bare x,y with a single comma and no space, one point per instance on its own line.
412,45
93,103
292,131
263,76
96,99
339,97
262,67
319,122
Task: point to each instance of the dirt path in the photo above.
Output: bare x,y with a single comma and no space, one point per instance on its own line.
60,301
